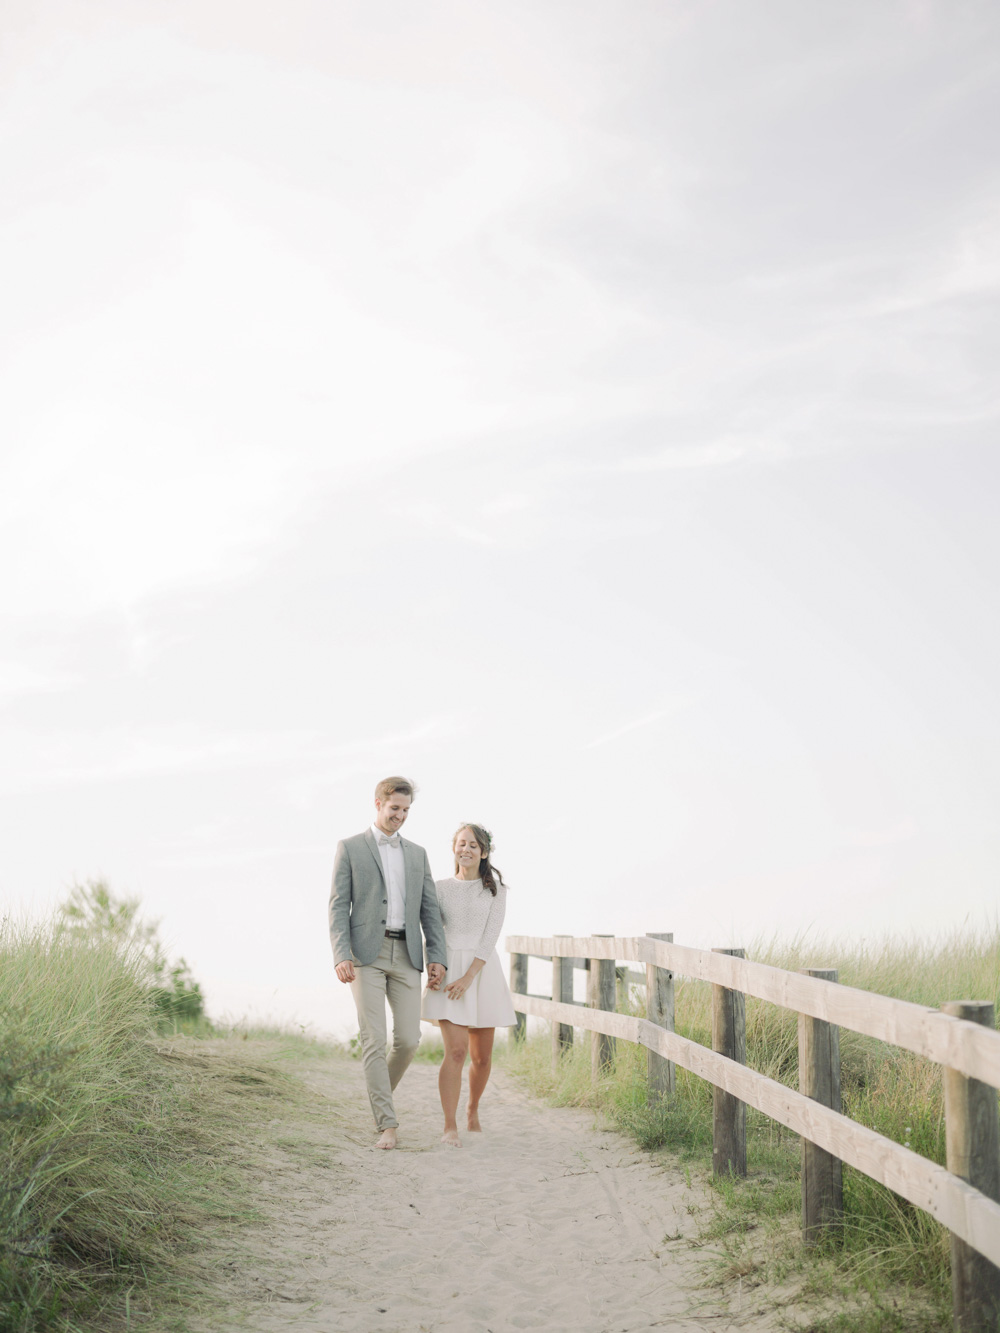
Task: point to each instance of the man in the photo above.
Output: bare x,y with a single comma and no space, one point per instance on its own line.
382,894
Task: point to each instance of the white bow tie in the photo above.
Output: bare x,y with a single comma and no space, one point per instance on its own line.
383,841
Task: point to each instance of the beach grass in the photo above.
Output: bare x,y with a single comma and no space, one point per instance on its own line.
128,1137
883,1239
123,1148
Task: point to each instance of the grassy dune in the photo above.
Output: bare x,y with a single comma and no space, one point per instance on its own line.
884,1239
125,1150
119,1145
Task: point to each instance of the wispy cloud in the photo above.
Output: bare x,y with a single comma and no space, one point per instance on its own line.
18,680
240,856
154,752
723,452
890,836
651,719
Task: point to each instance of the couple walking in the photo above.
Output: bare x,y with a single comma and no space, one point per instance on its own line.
383,898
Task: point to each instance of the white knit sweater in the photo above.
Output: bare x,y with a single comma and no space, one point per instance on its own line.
472,917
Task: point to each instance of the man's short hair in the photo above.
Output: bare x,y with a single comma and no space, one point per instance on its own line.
388,785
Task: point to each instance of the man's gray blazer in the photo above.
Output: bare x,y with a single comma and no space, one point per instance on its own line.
359,903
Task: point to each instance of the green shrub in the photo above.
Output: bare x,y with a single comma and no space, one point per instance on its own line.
108,1147
93,912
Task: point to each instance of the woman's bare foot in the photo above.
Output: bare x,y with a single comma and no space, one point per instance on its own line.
450,1136
387,1139
474,1125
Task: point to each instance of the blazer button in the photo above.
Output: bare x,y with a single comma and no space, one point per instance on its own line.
383,921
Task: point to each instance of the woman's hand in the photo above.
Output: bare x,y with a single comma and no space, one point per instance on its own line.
458,988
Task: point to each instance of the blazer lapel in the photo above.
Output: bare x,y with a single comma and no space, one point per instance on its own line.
373,848
412,878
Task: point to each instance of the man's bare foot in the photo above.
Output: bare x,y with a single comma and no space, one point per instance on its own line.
450,1136
474,1125
387,1139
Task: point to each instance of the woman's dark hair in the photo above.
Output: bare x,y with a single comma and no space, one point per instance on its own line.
490,873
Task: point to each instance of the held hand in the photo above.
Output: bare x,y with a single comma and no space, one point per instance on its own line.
458,988
435,975
345,971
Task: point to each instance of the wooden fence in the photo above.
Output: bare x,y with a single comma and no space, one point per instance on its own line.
964,1196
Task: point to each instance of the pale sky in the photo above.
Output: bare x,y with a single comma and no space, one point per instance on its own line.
589,410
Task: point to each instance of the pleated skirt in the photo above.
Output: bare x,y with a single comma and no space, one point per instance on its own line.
487,1002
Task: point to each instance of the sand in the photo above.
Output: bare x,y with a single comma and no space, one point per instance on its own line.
543,1221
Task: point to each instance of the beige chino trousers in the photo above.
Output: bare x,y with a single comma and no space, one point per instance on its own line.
390,977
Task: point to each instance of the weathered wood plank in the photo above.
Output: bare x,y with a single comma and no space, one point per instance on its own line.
582,963
729,1115
819,1079
518,986
972,1147
956,1205
562,992
659,1010
968,1047
601,995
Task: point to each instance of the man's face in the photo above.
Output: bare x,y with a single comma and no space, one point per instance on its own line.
390,814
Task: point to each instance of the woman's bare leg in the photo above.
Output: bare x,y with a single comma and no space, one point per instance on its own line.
481,1051
456,1048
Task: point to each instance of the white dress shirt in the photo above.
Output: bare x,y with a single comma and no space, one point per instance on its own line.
394,870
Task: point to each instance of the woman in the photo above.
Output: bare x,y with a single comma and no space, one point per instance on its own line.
476,1000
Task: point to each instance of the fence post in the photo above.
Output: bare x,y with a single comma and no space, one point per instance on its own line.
972,1149
819,1078
562,993
519,985
601,995
660,1074
729,1114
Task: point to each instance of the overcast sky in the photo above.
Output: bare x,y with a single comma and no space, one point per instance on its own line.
589,410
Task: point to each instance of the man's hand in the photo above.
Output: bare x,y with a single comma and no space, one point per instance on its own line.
345,971
435,975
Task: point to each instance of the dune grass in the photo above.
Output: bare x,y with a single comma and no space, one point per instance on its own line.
883,1239
119,1145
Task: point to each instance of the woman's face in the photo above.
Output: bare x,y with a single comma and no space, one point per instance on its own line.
468,852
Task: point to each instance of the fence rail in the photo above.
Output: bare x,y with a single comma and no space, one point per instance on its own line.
967,1047
964,1196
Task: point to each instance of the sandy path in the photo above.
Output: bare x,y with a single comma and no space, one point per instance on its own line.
540,1222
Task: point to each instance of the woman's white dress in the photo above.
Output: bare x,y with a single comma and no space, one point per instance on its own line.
472,920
